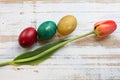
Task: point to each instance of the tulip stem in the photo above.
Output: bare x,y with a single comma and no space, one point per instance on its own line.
84,35
6,63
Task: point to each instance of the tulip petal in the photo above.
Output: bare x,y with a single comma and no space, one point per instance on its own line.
104,28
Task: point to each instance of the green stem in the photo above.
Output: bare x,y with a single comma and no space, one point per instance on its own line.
5,63
78,37
52,48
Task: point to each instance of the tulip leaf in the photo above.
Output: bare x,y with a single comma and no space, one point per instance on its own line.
38,50
36,61
33,53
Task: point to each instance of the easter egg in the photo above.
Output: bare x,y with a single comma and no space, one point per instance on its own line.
27,37
67,24
46,30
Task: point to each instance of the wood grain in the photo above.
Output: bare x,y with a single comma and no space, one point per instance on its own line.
63,1
83,59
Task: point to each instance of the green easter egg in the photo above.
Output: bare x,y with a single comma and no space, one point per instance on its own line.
46,30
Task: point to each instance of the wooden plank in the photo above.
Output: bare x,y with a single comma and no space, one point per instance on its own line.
63,1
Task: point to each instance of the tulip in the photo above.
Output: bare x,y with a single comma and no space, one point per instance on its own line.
101,29
104,28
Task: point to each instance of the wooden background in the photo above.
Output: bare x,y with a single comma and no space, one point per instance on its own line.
84,59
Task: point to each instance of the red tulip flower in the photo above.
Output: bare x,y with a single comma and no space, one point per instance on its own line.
104,28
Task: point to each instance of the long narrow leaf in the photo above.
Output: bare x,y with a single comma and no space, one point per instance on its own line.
36,61
33,53
38,50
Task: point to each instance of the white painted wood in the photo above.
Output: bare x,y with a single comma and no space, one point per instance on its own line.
84,59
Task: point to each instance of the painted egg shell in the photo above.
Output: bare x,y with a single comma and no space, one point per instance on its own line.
27,37
67,25
46,30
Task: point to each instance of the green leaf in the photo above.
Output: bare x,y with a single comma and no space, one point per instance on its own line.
38,50
36,61
33,53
